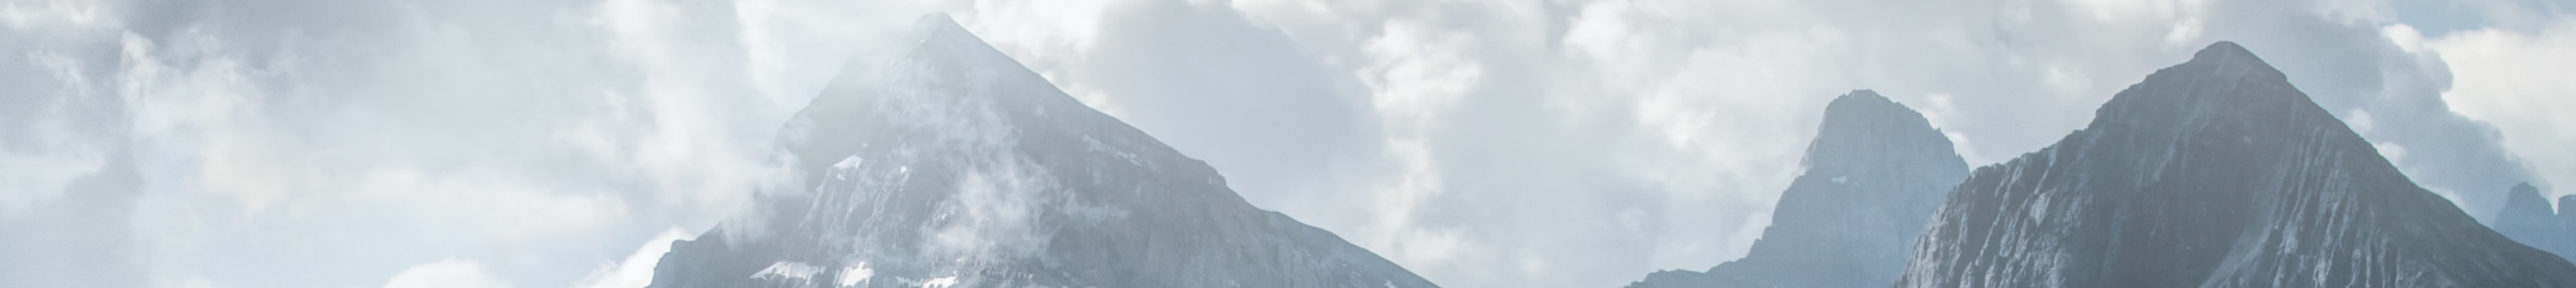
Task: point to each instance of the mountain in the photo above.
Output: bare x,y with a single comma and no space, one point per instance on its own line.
1875,172
956,166
2526,217
2213,173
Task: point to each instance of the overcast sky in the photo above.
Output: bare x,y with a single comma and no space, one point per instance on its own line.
491,143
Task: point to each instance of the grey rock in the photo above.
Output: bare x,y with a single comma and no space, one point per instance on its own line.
955,166
2213,173
1874,173
2527,218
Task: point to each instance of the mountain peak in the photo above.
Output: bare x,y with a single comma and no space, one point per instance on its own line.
2221,81
1861,128
1865,103
2527,218
2224,50
951,163
2213,173
2523,198
1874,172
938,21
939,28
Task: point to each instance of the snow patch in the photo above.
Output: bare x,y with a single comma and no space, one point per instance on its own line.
851,276
847,163
941,282
788,270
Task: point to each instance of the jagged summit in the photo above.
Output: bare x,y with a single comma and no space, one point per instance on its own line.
2527,218
1862,126
2213,173
1874,172
952,165
2523,206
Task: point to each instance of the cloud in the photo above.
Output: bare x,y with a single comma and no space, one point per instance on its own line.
340,142
1597,140
2515,79
1514,143
448,273
637,270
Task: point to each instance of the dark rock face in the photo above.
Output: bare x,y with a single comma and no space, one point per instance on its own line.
956,166
2213,173
2527,218
1875,172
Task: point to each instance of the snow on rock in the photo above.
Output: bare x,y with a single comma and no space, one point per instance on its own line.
956,164
2213,173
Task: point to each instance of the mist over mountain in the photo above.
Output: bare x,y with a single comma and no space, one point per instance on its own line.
2213,173
954,165
1874,173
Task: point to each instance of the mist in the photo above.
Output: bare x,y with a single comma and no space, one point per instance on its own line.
266,143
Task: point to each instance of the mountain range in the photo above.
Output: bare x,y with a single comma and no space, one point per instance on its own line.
955,165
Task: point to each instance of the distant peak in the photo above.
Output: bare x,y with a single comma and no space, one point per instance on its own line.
1868,104
1861,123
2524,197
1860,97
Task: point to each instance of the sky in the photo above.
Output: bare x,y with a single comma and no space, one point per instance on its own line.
1550,143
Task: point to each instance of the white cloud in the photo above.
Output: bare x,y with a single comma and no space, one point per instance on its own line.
34,14
637,270
1412,76
448,273
405,133
1685,116
2518,81
1483,141
54,151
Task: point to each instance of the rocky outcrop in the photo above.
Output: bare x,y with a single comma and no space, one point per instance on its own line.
2213,173
1875,172
2526,217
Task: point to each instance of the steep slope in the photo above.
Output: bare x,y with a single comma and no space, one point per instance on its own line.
956,166
2527,218
1875,172
2213,173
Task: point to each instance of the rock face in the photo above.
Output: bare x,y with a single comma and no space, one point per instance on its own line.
956,166
2526,217
2213,173
1875,172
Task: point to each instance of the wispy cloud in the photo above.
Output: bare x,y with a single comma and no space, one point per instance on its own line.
1514,143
